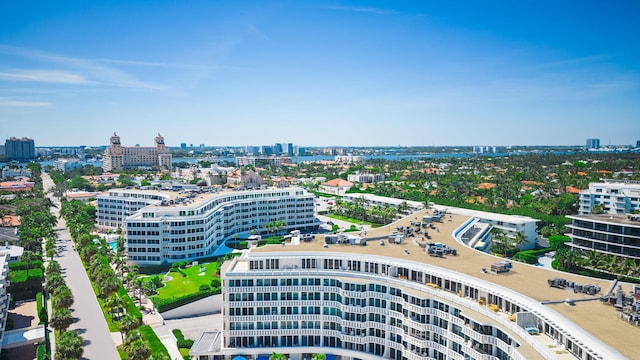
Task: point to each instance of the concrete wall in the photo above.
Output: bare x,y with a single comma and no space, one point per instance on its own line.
208,305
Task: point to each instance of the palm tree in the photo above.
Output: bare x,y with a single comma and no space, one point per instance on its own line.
277,356
52,268
114,305
69,346
519,239
138,350
62,298
128,323
319,356
109,285
53,282
132,336
61,319
498,238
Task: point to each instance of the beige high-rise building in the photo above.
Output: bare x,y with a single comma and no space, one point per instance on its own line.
118,157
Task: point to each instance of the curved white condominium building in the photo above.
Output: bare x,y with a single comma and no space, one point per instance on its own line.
394,301
170,226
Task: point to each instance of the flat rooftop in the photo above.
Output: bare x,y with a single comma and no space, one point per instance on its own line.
594,317
621,219
193,197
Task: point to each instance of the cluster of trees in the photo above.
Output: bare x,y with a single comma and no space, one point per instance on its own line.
592,262
108,271
532,185
504,245
69,345
358,209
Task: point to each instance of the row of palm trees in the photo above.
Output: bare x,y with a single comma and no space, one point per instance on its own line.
358,209
108,271
69,345
573,260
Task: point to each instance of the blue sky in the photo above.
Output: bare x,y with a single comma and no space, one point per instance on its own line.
321,73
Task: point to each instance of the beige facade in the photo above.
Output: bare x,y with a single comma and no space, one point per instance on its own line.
118,157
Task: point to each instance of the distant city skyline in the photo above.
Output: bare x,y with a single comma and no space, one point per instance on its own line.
344,74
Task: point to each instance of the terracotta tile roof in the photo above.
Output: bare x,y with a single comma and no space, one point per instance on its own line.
485,186
10,221
572,190
530,182
16,185
337,183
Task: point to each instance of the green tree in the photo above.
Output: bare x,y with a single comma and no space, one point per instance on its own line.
53,282
62,298
277,356
61,319
138,350
69,346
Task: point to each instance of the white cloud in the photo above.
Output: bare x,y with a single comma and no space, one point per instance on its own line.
93,72
4,102
47,76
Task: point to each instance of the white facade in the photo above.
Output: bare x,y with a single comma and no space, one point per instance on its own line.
66,164
114,207
377,200
8,172
481,222
350,158
617,196
4,296
366,178
160,228
374,307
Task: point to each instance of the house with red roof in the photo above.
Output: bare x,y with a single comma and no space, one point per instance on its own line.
336,186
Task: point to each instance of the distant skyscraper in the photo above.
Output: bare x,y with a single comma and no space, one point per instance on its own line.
183,146
593,144
252,150
277,149
289,149
638,144
19,149
266,150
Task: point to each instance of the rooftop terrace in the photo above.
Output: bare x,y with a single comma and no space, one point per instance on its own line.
597,319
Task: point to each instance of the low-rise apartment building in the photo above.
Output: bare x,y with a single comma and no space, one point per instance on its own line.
615,197
617,235
476,231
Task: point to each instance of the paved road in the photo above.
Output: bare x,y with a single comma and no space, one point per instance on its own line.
89,321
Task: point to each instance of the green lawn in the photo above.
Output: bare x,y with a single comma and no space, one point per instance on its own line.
351,220
179,285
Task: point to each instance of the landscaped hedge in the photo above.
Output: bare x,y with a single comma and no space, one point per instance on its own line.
155,344
41,352
163,305
530,256
25,277
181,341
25,283
22,265
240,245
